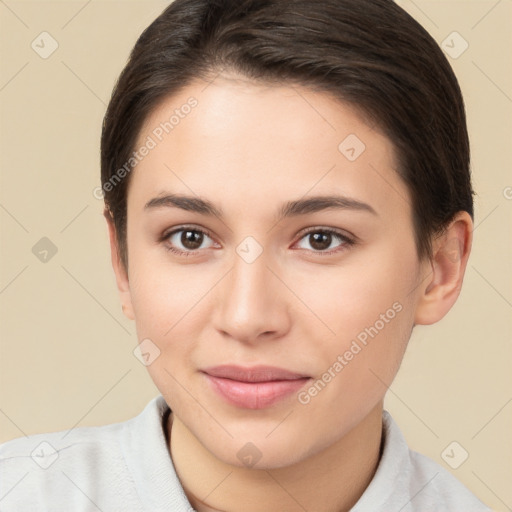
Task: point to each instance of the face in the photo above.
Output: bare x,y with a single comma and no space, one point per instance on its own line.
253,270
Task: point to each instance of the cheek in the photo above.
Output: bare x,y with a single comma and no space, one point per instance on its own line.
164,294
172,308
368,313
167,305
371,310
352,296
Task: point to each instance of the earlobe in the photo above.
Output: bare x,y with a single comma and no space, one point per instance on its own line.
441,288
120,272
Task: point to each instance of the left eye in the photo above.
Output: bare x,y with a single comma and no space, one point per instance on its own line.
320,240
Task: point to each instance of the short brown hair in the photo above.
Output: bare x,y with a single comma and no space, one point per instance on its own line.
368,53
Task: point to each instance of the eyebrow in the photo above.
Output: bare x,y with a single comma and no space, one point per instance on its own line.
303,206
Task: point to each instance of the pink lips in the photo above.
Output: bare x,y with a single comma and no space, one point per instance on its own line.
254,388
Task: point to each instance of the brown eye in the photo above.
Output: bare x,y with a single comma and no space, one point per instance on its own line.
186,240
191,240
321,241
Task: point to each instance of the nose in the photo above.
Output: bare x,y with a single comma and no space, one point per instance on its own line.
251,303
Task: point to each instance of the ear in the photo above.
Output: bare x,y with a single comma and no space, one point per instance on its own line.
451,251
123,284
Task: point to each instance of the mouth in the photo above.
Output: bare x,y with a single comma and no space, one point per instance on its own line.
257,387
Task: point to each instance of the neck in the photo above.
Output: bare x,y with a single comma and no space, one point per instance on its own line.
331,480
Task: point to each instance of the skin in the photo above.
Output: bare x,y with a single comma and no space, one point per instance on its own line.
248,149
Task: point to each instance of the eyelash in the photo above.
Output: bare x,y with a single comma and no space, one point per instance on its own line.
347,242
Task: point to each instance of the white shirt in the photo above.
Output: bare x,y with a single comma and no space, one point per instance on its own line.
127,467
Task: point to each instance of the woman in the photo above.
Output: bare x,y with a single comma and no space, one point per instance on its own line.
287,194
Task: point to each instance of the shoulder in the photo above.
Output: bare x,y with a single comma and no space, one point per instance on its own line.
71,467
411,482
437,486
49,446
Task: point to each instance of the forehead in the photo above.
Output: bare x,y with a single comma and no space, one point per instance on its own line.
262,141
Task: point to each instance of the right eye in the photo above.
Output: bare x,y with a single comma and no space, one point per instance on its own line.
185,241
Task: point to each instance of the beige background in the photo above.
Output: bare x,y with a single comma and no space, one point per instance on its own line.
66,349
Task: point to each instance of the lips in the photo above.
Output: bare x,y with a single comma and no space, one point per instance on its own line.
253,374
256,387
